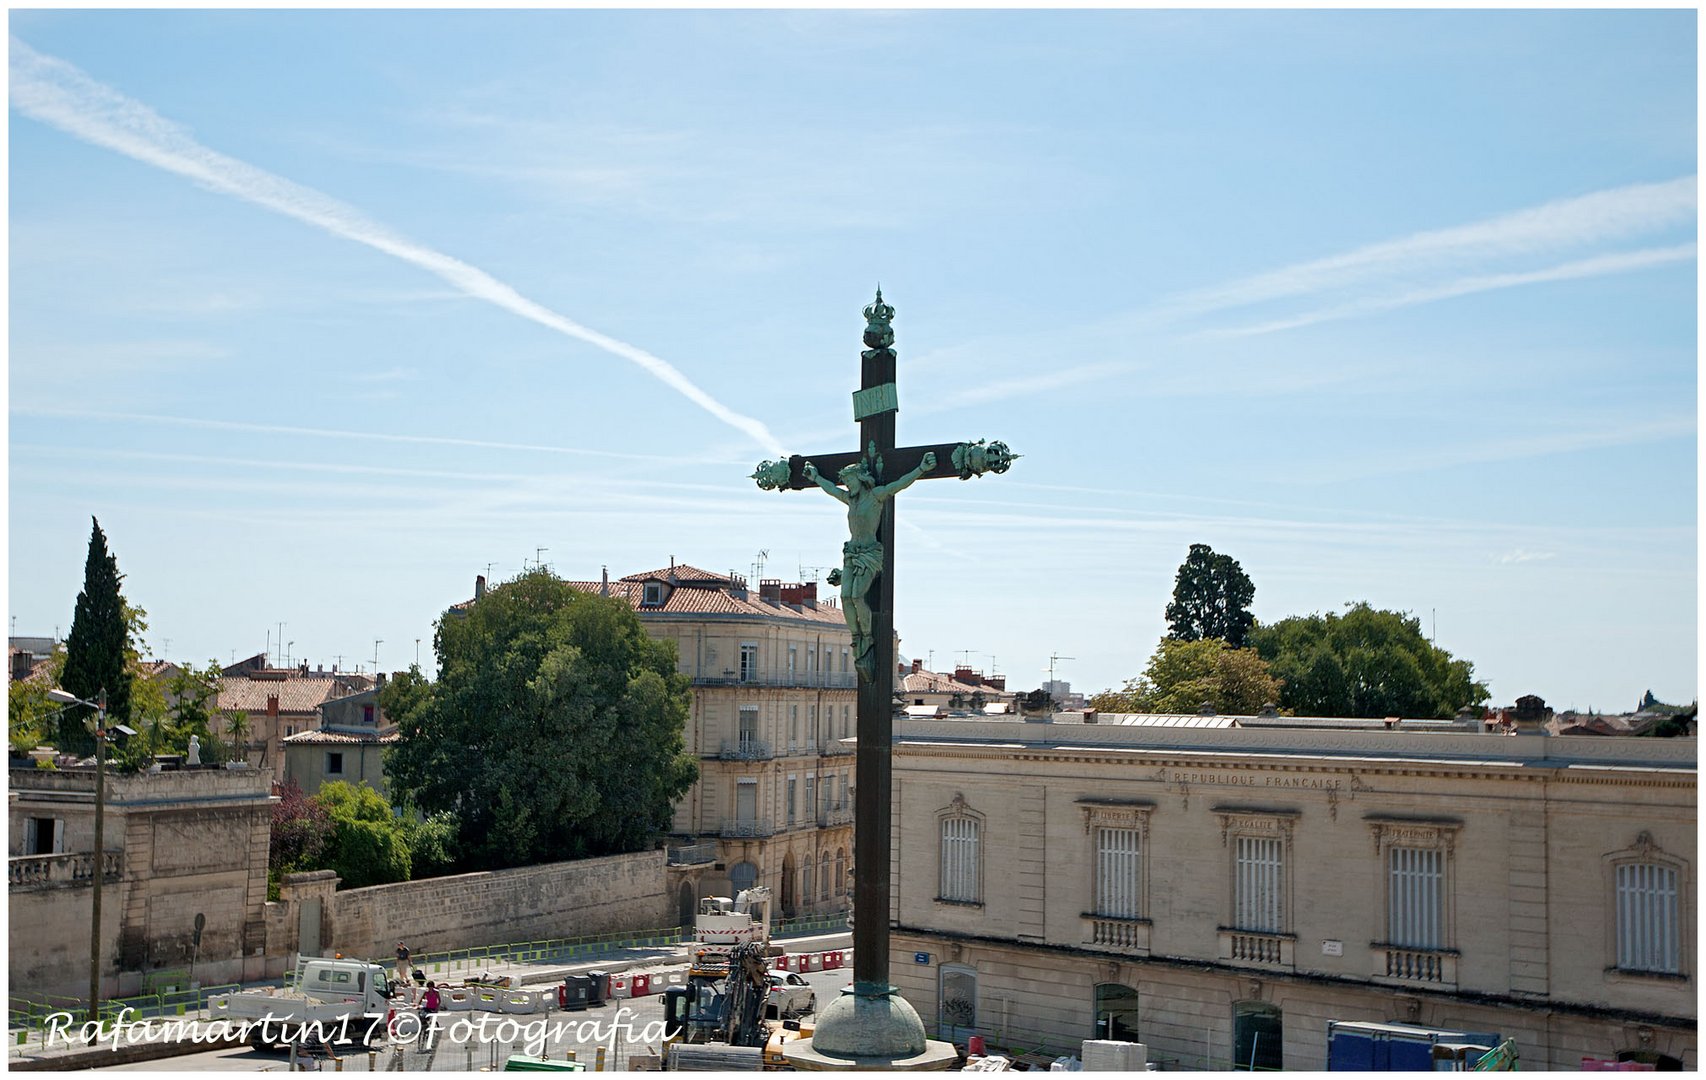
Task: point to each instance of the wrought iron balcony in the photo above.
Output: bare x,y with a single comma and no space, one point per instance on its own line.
747,829
53,871
693,854
836,748
799,680
834,815
745,750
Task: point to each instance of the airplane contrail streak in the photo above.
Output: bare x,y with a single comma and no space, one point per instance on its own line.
54,92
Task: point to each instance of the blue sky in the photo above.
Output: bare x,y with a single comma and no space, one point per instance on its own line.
320,313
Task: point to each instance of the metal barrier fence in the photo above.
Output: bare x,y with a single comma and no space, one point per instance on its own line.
28,1015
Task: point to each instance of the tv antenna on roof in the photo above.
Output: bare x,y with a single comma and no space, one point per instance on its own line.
1051,662
758,564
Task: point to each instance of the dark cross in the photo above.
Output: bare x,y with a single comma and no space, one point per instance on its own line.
867,581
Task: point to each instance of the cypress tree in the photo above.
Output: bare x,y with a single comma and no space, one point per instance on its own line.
95,651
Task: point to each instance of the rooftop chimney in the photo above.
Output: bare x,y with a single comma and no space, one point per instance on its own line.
917,665
800,595
967,675
770,590
272,704
996,682
604,589
479,586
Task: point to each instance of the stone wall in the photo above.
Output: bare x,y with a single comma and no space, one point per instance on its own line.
193,842
532,903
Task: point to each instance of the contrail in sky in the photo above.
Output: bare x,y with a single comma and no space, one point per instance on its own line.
54,92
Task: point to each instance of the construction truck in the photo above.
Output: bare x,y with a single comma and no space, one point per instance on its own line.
723,923
716,1021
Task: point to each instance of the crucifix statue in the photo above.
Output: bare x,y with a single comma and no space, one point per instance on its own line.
868,481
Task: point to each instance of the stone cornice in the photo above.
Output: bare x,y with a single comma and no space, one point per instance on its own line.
1307,761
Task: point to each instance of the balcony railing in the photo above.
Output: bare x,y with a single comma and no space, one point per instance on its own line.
1253,948
745,750
802,680
1113,934
692,854
1433,967
834,815
51,871
747,829
836,748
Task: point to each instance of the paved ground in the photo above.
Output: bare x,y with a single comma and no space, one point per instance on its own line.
482,1039
475,1054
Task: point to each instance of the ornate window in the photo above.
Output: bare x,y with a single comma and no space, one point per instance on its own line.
1119,834
1416,866
1647,886
1118,915
961,865
1258,842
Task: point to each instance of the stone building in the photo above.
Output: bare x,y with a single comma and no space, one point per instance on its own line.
1220,892
964,693
178,843
277,703
773,700
348,744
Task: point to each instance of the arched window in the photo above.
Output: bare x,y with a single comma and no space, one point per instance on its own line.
741,876
957,1010
806,882
790,895
840,871
1258,1037
823,877
688,903
1647,883
1116,1012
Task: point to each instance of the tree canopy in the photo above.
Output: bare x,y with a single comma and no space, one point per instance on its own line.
95,653
554,730
1211,599
1366,662
367,843
1181,675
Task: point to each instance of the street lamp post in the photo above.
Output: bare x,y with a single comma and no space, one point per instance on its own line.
100,730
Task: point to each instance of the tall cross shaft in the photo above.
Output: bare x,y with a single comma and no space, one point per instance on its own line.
871,477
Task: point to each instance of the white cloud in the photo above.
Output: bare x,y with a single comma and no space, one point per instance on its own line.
1521,556
56,93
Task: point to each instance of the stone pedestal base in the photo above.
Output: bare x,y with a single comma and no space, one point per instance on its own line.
870,1028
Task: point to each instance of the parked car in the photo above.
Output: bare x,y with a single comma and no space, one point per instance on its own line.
790,995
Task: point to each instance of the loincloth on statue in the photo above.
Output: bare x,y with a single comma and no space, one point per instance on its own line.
861,562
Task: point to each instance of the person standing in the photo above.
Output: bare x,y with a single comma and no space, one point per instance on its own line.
402,963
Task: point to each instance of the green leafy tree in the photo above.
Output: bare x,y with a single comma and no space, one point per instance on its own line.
1181,675
1366,662
1211,599
95,653
554,730
367,845
31,719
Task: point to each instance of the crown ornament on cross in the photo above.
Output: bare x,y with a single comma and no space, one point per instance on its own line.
878,333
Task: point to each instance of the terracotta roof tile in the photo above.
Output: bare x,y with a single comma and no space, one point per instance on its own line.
296,693
682,573
340,738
